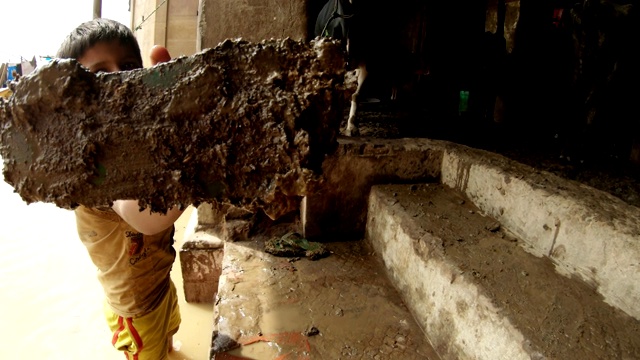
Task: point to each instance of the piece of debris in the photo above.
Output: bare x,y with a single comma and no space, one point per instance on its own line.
493,227
293,244
312,331
244,123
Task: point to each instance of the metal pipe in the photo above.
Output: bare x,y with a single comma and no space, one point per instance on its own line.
97,9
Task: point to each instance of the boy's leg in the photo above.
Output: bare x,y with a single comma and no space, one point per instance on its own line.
148,337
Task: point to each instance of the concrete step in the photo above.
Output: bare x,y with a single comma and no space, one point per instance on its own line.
475,290
340,306
587,233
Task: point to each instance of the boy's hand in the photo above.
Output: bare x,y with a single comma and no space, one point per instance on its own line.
159,54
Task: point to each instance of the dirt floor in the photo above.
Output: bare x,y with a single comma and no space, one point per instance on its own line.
528,146
337,307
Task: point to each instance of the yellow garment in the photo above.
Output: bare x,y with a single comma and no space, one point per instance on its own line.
5,92
146,337
133,268
141,304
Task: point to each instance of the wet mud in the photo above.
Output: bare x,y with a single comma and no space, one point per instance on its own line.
243,123
338,307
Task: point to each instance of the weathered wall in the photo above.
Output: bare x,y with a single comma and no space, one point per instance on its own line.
173,25
182,26
153,31
338,209
253,20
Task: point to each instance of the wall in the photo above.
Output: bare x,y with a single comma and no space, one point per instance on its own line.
182,26
173,25
253,20
150,31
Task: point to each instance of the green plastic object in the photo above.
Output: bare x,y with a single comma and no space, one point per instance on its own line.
463,104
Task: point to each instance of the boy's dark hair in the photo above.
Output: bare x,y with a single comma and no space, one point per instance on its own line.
87,34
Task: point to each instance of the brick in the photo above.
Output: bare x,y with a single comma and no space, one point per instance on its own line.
201,264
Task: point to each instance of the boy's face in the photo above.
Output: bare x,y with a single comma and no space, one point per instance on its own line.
109,57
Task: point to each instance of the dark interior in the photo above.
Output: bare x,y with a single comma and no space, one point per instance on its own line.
550,83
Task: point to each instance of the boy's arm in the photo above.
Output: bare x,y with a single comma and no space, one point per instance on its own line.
145,221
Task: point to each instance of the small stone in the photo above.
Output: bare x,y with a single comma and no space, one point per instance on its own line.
312,331
493,227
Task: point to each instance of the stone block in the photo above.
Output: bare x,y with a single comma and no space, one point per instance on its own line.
210,216
201,264
339,207
227,222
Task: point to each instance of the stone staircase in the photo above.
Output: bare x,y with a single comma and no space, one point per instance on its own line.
475,290
483,257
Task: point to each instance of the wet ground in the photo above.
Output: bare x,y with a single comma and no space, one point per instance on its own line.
51,298
337,307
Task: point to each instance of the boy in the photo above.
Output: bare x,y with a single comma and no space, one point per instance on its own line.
133,250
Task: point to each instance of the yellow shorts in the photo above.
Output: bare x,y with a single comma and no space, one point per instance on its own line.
146,337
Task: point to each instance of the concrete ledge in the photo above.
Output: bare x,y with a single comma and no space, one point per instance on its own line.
477,293
339,208
586,232
201,264
225,221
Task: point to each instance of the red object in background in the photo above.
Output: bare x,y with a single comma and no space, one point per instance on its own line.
557,17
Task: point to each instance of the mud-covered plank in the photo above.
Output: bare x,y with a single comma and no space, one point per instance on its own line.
245,123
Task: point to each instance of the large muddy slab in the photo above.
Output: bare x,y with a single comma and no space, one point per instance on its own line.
245,123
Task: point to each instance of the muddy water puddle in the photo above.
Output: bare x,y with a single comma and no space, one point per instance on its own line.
51,298
336,307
